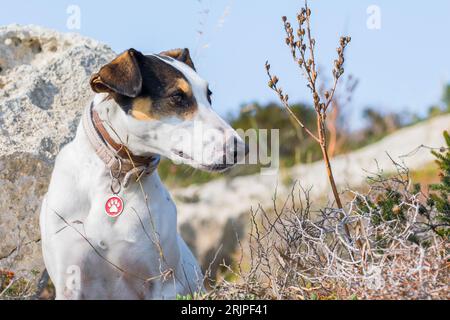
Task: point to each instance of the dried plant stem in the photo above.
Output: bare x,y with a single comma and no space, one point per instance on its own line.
292,114
321,139
326,158
302,50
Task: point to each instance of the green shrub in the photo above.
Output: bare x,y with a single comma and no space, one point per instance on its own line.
441,199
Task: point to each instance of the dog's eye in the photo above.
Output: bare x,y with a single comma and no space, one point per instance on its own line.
177,98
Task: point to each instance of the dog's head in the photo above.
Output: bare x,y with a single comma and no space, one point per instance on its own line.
166,109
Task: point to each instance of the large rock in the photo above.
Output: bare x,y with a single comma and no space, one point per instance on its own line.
44,85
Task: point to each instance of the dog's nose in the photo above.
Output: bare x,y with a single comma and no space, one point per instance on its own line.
237,150
235,158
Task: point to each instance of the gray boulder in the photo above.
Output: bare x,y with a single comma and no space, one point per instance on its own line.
44,85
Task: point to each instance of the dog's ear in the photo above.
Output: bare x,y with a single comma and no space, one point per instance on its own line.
122,75
182,55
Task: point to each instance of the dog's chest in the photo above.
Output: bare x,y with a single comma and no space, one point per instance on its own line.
144,231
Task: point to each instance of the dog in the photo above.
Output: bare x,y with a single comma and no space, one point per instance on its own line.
108,224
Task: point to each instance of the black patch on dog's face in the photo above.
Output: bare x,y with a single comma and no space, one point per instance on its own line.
146,87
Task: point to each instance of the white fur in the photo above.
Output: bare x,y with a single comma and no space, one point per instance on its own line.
115,256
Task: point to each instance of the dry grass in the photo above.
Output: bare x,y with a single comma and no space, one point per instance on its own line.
13,286
295,253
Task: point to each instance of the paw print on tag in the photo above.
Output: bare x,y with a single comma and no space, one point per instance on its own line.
114,206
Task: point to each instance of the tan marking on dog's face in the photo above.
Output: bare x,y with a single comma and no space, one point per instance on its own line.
188,112
189,115
141,109
144,109
174,99
184,86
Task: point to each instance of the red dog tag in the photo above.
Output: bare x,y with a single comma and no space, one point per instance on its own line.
114,206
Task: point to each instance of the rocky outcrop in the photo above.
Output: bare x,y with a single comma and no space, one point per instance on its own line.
44,85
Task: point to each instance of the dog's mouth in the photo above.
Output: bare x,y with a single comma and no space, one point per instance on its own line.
183,155
217,167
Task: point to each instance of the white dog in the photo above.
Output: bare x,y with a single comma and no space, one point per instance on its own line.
108,224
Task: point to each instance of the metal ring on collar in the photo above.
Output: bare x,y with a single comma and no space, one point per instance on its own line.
119,186
119,172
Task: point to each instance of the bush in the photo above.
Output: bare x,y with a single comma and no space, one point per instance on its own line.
441,200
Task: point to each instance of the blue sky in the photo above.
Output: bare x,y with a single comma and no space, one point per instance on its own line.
402,66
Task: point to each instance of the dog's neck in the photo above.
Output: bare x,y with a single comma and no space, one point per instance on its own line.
117,124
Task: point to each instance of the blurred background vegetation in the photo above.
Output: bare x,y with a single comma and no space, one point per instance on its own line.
296,146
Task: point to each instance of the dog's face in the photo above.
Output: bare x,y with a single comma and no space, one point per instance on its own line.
166,108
